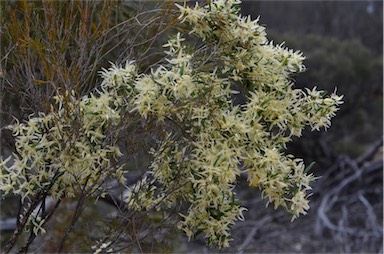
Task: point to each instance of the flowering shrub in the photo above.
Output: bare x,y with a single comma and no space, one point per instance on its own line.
207,139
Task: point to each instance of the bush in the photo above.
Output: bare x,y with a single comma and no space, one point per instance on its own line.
201,140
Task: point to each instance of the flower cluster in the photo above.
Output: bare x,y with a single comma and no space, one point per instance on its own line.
212,140
207,139
68,150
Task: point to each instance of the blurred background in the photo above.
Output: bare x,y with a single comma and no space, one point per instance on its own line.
343,43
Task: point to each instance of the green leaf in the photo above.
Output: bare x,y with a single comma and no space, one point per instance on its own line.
217,159
306,170
266,101
198,232
274,175
285,61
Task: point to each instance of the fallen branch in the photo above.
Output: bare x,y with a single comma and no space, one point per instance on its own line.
348,173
